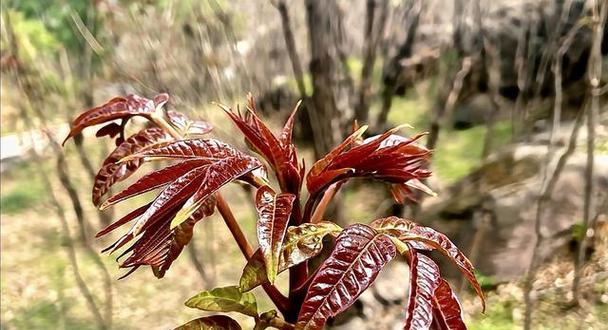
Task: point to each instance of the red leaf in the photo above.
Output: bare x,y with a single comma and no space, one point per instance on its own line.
194,185
210,149
155,180
214,322
159,245
447,313
442,243
280,153
358,256
273,214
424,279
111,130
116,108
286,134
171,199
127,218
396,161
397,227
112,172
188,127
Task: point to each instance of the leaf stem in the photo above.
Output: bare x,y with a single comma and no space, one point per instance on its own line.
328,195
233,226
275,295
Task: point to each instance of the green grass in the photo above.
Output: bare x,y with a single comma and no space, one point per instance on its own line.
24,190
497,317
459,152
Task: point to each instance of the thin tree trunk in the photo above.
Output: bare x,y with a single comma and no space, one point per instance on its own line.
69,243
66,182
296,66
594,74
446,101
372,41
543,200
198,265
323,70
391,72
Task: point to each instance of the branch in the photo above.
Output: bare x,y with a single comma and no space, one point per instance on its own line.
369,56
594,74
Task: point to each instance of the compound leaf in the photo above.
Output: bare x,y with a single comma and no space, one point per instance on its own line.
358,256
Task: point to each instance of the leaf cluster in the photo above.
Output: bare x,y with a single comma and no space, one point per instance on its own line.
290,228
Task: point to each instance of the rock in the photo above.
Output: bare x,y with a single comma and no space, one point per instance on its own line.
472,111
490,214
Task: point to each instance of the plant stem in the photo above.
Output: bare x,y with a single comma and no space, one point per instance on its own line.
275,295
328,195
233,226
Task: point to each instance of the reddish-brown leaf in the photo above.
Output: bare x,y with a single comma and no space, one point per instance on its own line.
397,161
193,186
397,227
280,153
159,245
111,130
218,174
168,202
116,108
188,127
447,313
274,211
155,180
214,322
358,256
442,243
287,133
126,219
112,172
210,149
424,279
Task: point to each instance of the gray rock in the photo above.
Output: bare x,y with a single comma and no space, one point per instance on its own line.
498,202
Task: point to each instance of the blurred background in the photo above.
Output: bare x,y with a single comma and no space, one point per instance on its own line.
513,94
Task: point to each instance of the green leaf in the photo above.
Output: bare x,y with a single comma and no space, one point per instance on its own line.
226,299
300,244
254,273
213,322
305,241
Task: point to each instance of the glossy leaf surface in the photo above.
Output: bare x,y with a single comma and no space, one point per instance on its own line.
359,255
305,241
279,152
447,313
442,243
214,322
155,180
159,245
396,162
397,227
186,126
112,172
117,108
301,243
210,149
424,279
274,211
226,299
